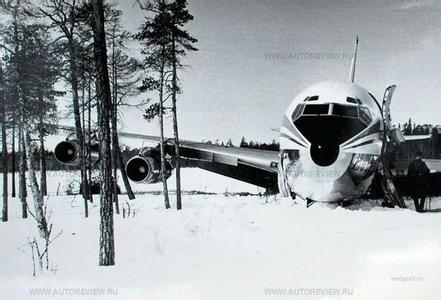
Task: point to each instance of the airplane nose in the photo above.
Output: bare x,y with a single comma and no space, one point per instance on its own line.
326,134
324,154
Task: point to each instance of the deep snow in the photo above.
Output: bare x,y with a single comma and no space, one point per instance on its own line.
229,247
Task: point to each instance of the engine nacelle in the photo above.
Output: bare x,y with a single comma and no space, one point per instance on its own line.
68,152
146,168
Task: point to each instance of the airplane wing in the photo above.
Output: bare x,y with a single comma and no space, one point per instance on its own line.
404,186
258,167
416,137
71,130
400,166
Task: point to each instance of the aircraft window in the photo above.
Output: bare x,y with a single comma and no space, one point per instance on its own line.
297,112
351,100
306,99
316,109
359,101
345,111
313,98
365,115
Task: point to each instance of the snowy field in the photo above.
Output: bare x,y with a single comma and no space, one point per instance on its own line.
227,247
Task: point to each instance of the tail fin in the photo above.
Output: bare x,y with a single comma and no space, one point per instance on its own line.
354,62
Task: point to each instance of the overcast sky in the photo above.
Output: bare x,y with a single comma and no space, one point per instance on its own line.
231,88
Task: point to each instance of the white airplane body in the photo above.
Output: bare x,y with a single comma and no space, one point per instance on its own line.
332,140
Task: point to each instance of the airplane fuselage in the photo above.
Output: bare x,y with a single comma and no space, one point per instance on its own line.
331,140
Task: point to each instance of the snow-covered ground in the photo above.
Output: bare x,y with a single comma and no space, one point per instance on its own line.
228,247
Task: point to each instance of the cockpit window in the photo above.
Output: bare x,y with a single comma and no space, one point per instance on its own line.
351,100
354,100
297,112
316,109
311,98
365,115
359,112
345,111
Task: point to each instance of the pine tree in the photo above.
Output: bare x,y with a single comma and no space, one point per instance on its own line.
181,43
107,243
32,69
63,15
123,84
243,143
153,35
164,37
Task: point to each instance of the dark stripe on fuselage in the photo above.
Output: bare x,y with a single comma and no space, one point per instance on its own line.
362,144
288,125
291,139
373,129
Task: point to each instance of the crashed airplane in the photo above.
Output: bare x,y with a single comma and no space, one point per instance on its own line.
335,139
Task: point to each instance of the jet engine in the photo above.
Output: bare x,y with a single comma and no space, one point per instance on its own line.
68,152
146,167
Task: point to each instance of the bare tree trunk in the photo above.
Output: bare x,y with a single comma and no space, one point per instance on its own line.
13,192
43,180
39,215
5,174
114,118
175,128
22,174
4,150
115,163
16,48
122,169
36,192
22,163
21,142
107,243
161,130
76,109
117,155
89,137
86,192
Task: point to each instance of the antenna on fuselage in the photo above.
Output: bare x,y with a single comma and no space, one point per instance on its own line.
354,62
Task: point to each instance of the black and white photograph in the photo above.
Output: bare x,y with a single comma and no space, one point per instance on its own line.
220,149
